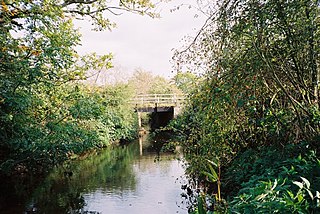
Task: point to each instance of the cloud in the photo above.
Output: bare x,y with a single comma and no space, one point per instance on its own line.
140,41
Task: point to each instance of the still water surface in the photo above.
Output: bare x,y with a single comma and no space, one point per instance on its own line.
130,179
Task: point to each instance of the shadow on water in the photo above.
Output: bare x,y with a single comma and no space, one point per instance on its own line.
124,179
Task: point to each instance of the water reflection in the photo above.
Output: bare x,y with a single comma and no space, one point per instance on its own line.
128,179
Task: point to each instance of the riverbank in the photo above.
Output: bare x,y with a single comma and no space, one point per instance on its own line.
111,180
258,98
280,178
39,138
267,179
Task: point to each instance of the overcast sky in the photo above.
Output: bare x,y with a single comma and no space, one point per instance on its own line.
143,42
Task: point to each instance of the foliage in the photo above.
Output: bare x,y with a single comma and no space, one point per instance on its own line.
145,82
257,164
287,184
214,177
267,66
277,197
186,81
12,12
269,180
206,131
261,90
200,208
72,120
46,116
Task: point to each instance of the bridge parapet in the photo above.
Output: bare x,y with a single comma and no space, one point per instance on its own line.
157,100
162,107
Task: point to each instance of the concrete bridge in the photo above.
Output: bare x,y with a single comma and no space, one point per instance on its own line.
163,107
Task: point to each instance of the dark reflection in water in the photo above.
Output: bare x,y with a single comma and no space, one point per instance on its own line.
128,179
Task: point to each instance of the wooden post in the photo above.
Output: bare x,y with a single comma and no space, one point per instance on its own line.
140,145
139,120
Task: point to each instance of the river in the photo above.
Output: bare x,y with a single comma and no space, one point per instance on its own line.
136,178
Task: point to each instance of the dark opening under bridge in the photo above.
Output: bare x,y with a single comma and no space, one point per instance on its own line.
163,107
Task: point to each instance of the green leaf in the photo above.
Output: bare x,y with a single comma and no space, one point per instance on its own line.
274,185
240,103
212,177
306,182
201,209
213,163
299,184
291,195
310,194
260,197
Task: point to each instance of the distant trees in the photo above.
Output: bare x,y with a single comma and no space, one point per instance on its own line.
145,82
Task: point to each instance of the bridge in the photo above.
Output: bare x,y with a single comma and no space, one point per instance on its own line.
163,107
156,102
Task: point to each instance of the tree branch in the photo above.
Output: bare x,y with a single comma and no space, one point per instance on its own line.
70,2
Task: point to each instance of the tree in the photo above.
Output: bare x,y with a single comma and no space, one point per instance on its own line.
265,54
161,85
261,79
14,13
145,82
141,81
259,98
185,81
39,70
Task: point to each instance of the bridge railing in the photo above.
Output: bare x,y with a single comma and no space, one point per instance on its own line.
147,100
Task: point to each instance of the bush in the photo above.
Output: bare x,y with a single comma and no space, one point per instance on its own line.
55,126
274,180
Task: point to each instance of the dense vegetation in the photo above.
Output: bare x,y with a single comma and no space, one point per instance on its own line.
250,129
46,113
251,126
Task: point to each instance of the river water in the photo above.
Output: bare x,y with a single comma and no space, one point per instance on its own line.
136,178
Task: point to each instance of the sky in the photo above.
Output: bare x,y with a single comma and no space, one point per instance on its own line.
143,42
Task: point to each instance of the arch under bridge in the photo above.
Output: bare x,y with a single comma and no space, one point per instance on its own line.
163,107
